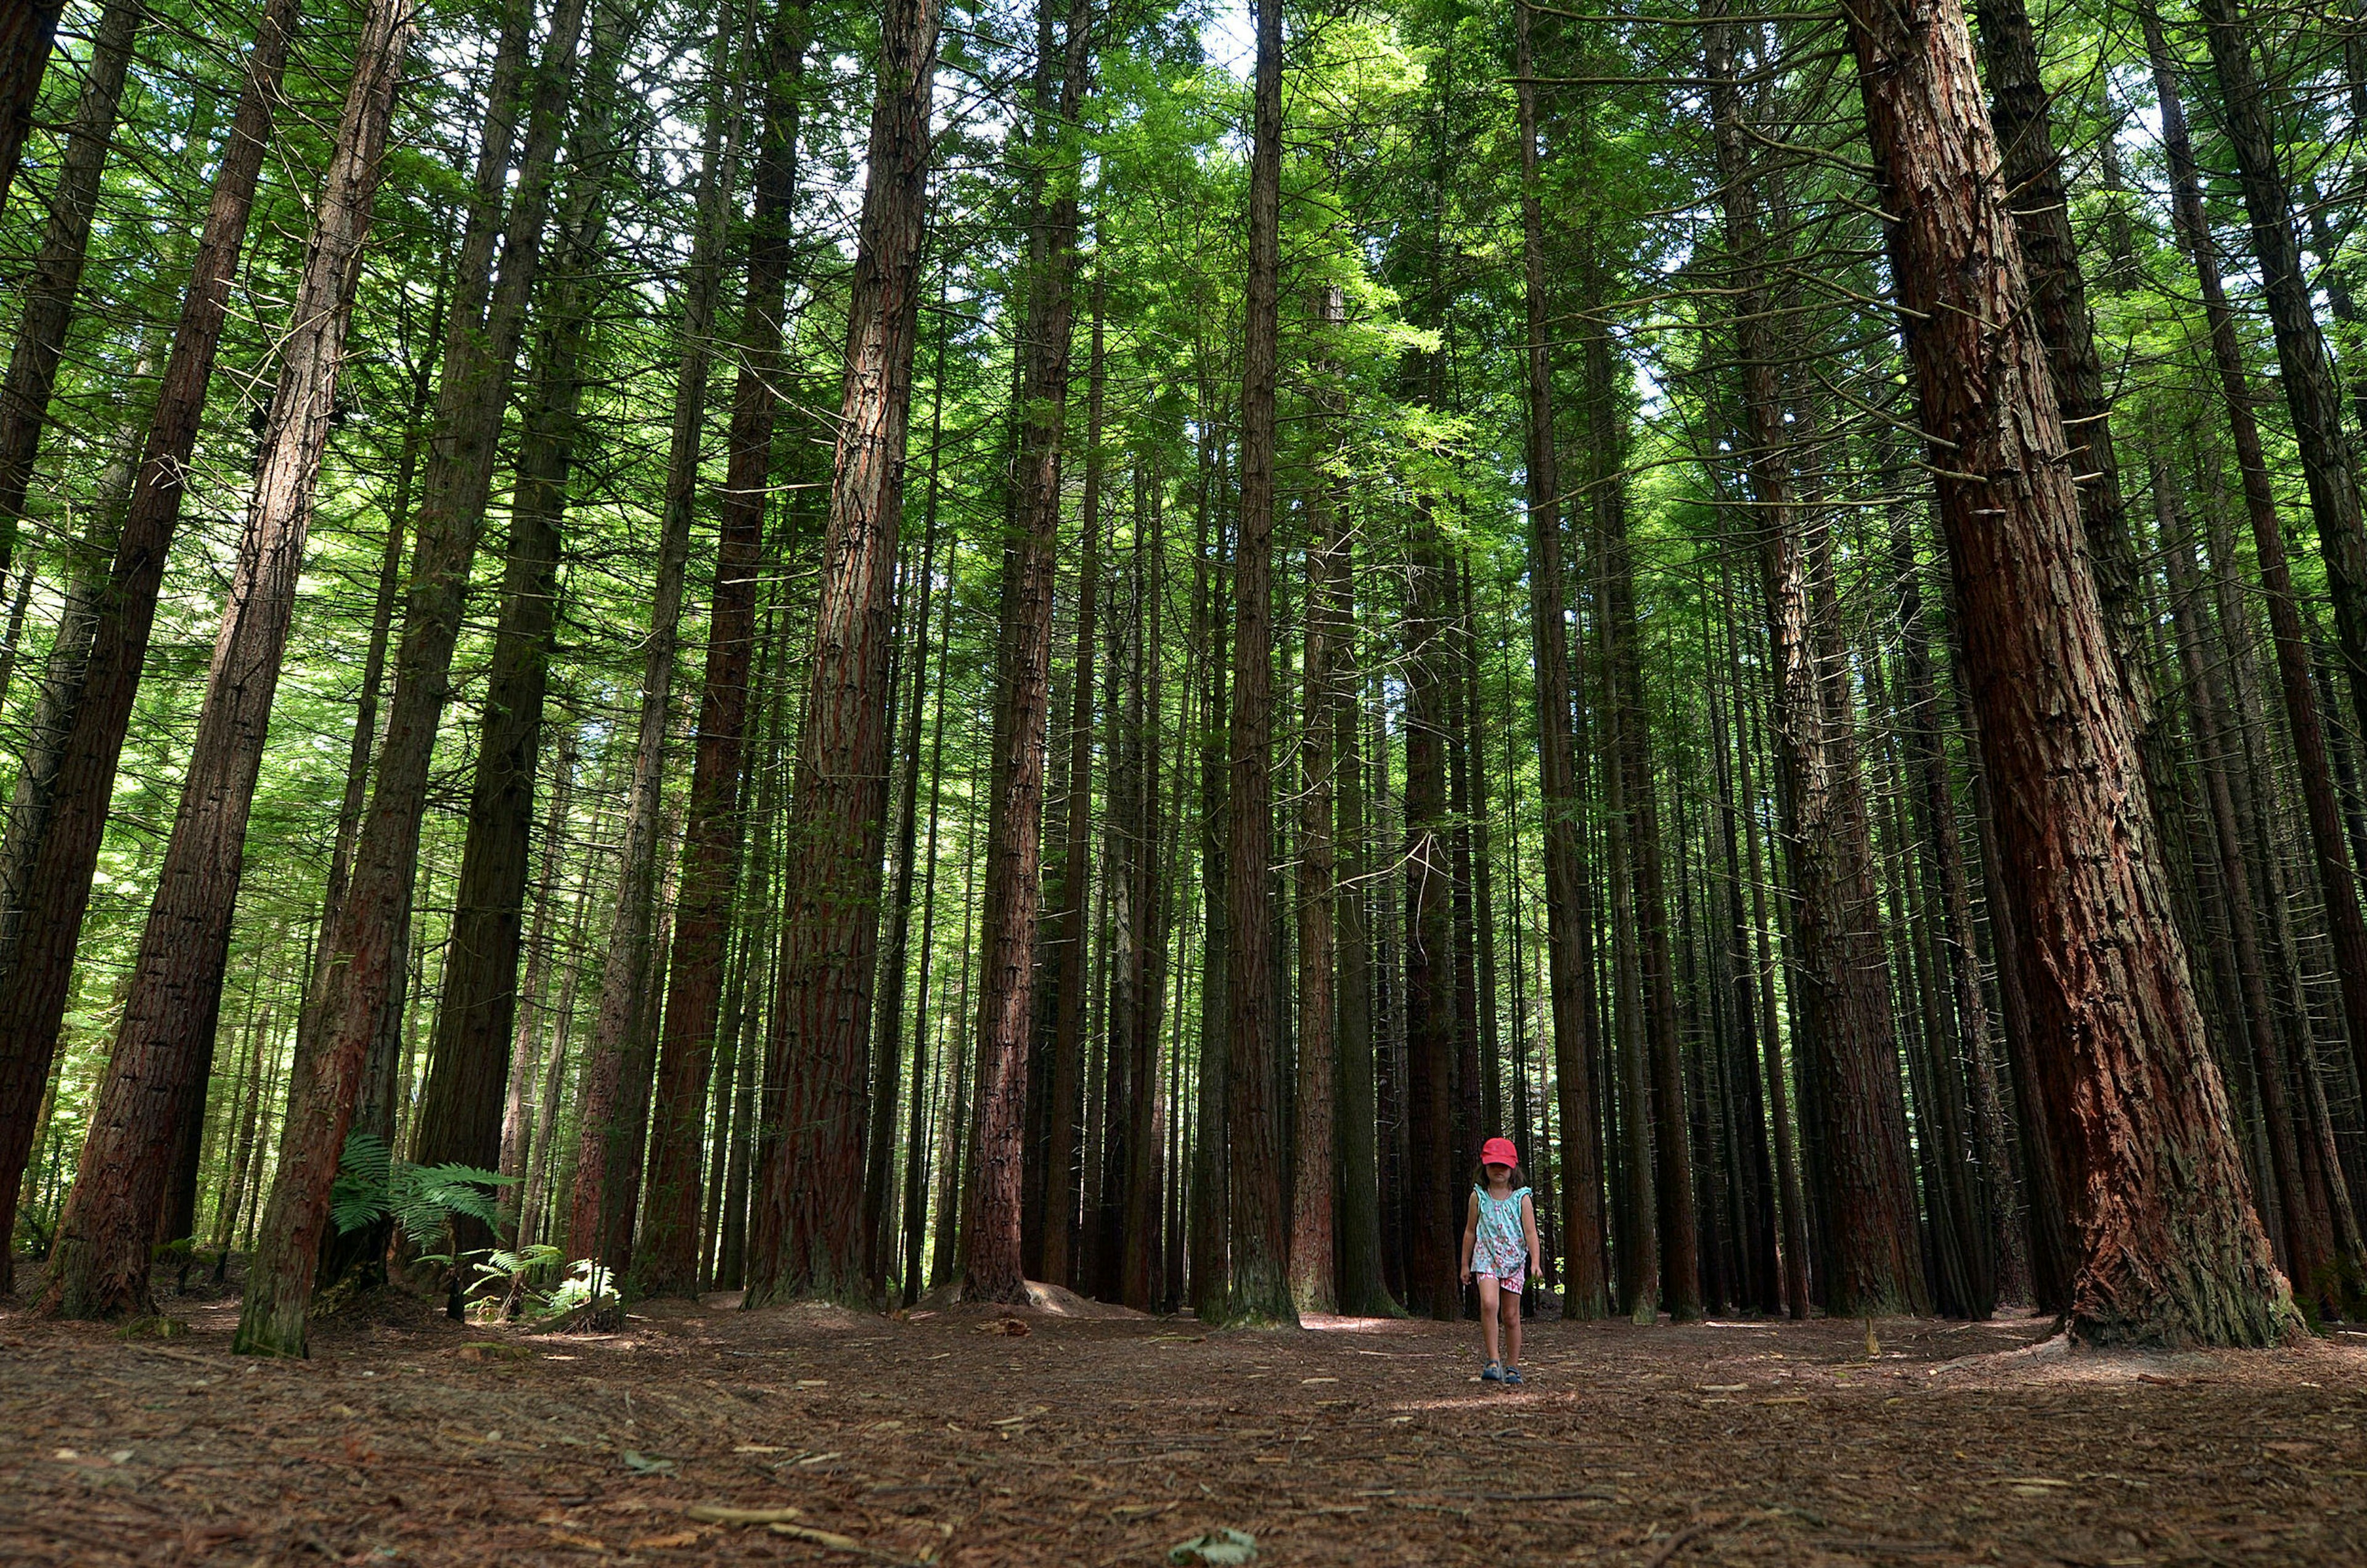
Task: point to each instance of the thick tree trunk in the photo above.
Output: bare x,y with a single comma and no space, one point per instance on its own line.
1210,614
2308,387
1432,1269
1259,1291
666,1261
625,968
2020,111
362,951
1065,946
27,33
1314,1147
991,1215
463,1096
1584,1291
58,815
808,1226
888,1047
164,1044
2170,1248
1875,1262
2308,1240
55,277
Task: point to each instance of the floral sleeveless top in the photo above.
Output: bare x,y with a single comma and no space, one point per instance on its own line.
1501,1245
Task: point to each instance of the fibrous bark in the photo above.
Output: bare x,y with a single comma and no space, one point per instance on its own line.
2170,1250
807,1230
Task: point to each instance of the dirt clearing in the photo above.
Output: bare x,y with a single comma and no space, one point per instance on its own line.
812,1436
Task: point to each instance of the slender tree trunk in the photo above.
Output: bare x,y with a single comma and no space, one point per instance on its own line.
1314,1149
890,1043
1935,805
362,951
2246,116
667,1259
1259,1287
519,1107
1210,1166
1143,1258
2307,1243
808,1227
58,815
164,1044
364,739
460,1106
2170,1250
625,968
1584,1291
1672,1175
1843,996
1361,1289
992,1199
2326,461
55,277
1066,944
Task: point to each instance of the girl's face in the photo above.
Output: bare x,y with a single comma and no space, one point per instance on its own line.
1499,1174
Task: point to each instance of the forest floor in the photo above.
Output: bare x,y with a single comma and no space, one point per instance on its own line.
950,1437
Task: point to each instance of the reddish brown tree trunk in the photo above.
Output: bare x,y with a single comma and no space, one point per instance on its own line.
2329,486
808,1231
626,969
667,1262
27,33
1314,1152
165,1042
1432,1269
1875,1264
362,950
53,840
2170,1248
55,277
1065,947
1259,1290
991,1210
1584,1290
458,1118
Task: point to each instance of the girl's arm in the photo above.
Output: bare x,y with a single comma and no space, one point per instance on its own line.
1529,1227
1470,1232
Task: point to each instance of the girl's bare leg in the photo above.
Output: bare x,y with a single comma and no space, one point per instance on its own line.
1488,1312
1509,1302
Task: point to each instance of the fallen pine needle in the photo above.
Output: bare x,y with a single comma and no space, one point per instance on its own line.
834,1541
831,1538
716,1514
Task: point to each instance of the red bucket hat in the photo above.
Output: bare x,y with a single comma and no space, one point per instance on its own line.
1499,1151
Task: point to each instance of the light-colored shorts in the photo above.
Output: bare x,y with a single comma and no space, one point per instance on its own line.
1509,1280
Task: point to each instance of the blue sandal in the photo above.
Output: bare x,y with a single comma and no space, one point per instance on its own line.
1491,1373
1513,1375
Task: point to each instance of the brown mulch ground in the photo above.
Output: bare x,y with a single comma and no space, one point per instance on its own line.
409,1440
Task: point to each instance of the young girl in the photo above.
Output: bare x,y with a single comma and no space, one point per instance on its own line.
1500,1235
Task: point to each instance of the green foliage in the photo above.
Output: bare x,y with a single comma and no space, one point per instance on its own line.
424,1200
